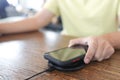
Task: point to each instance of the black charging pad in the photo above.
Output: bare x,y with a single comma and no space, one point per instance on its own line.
72,64
72,67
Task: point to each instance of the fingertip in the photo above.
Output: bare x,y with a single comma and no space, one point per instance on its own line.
87,61
69,45
71,42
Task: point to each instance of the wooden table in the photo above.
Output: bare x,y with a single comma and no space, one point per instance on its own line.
21,56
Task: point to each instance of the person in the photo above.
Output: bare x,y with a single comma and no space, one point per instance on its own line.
94,21
3,5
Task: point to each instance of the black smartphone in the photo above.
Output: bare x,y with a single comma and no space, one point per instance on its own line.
67,56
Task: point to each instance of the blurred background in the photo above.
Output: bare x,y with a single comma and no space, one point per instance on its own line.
10,8
13,10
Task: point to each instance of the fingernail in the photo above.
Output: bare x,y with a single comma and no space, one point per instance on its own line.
87,61
69,45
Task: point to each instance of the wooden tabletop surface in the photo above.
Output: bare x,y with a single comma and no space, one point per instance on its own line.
21,56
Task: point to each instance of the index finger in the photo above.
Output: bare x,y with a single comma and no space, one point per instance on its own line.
90,53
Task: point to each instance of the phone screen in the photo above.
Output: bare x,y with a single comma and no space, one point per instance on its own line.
67,53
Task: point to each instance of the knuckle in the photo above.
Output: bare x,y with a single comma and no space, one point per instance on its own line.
112,50
108,47
94,45
97,57
100,59
109,53
105,42
107,57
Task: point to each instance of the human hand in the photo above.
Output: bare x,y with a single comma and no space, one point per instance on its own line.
98,48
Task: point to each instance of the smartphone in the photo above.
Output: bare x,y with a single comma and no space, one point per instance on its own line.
67,56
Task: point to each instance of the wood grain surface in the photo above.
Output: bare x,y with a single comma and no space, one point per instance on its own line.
21,56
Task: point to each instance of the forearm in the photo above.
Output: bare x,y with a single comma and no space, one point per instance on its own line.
113,38
39,20
29,24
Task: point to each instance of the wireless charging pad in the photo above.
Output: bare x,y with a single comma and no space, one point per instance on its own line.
73,67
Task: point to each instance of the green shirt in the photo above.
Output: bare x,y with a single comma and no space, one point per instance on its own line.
86,17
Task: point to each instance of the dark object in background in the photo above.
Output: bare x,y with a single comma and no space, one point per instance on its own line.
3,5
55,27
